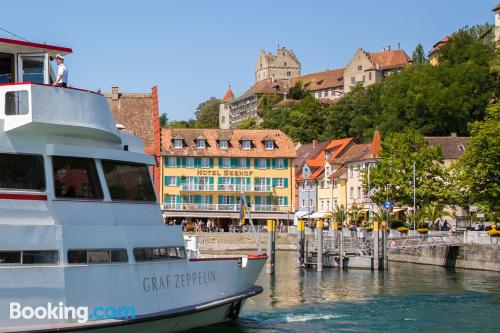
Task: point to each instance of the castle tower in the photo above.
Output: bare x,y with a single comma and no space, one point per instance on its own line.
224,109
282,65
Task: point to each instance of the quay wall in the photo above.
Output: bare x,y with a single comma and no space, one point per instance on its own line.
471,256
231,241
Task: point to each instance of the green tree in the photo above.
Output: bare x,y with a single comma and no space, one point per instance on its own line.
433,212
207,114
182,123
248,123
298,91
418,56
303,121
392,177
478,170
339,214
163,120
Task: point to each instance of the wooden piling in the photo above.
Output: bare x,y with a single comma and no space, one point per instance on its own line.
271,246
319,245
300,243
385,258
341,249
376,254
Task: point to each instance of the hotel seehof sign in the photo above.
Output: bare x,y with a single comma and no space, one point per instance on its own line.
224,173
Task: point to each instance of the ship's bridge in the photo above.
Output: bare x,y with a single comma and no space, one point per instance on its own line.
28,102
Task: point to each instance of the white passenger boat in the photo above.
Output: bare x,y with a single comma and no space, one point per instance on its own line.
83,246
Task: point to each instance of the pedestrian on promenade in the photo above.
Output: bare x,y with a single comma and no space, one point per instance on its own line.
62,72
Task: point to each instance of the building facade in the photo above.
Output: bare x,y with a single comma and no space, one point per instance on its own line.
496,10
139,114
328,84
371,67
206,172
282,65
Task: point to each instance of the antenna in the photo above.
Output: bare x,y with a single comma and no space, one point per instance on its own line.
14,35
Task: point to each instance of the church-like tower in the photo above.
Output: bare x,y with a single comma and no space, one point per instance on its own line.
282,65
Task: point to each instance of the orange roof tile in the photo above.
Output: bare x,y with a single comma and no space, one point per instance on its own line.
284,145
436,47
333,78
228,97
389,59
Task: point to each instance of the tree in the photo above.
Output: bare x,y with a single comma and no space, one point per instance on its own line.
298,91
163,120
207,114
182,123
418,56
248,123
339,214
392,177
478,170
303,121
433,211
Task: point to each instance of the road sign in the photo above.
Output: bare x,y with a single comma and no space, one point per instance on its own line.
387,204
480,215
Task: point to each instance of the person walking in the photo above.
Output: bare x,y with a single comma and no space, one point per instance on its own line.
62,72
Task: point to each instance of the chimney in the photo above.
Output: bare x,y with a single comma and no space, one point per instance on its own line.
399,45
315,143
114,92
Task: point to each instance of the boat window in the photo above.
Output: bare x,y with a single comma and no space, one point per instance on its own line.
17,103
128,181
76,178
6,68
97,256
29,257
10,257
159,253
22,172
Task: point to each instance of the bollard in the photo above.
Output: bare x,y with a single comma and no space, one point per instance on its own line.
300,243
385,258
376,255
271,239
335,226
319,245
341,249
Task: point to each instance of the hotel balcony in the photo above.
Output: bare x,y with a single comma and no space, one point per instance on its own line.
226,188
224,207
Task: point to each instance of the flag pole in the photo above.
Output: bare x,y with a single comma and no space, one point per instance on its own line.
244,206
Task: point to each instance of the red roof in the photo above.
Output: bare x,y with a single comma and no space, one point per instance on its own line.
60,49
389,59
228,97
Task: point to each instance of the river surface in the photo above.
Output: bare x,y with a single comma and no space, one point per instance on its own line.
407,298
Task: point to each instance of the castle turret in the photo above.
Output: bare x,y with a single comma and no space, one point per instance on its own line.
224,109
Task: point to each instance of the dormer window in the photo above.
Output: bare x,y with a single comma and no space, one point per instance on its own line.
269,144
201,143
246,144
178,143
224,144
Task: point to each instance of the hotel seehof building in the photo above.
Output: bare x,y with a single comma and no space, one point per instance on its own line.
205,172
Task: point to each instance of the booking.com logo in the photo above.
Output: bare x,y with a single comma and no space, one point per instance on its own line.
61,312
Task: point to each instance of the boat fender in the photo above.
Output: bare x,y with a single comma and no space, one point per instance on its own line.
234,311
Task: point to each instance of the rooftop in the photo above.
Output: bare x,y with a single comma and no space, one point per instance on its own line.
267,87
389,59
452,146
283,144
321,80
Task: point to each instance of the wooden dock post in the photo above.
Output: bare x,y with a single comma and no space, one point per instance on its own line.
376,248
341,249
385,258
319,245
271,246
301,238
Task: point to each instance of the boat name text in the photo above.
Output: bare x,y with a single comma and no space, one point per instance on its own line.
184,280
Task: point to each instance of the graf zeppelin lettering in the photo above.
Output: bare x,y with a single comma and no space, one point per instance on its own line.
173,281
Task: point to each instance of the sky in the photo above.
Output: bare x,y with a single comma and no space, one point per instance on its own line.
193,49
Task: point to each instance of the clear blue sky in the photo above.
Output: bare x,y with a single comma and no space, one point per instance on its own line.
192,49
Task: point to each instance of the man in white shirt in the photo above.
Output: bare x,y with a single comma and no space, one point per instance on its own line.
62,73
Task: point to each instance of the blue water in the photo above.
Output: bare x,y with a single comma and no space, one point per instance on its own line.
407,298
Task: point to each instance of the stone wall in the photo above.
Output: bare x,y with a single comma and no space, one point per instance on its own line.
472,256
230,241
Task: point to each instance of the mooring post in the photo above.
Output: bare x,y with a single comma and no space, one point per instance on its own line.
271,240
319,245
376,255
335,227
385,257
300,243
341,249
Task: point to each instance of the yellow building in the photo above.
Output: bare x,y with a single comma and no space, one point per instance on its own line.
205,171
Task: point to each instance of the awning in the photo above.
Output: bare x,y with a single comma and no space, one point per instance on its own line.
395,210
319,215
298,215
